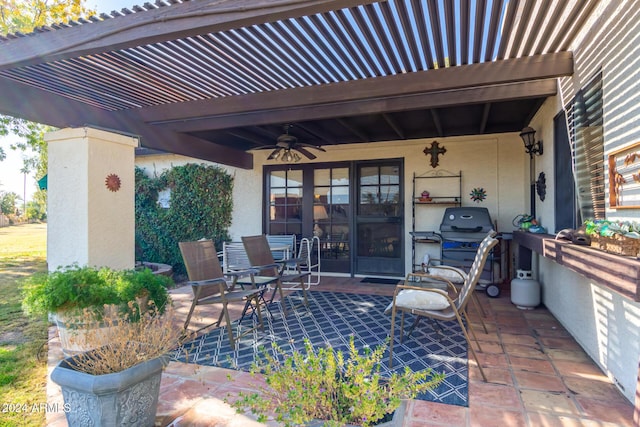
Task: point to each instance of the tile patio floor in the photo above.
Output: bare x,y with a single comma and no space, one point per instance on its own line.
538,376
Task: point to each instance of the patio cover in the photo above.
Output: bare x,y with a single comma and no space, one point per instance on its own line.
213,79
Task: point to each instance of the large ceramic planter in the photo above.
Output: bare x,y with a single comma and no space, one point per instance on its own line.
396,421
127,398
73,333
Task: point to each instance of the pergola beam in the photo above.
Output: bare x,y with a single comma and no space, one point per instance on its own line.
441,80
60,112
449,98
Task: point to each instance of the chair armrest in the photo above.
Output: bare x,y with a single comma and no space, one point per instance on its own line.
454,270
241,273
199,287
432,278
218,280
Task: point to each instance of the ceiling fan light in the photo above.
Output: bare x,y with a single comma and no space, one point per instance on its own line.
296,157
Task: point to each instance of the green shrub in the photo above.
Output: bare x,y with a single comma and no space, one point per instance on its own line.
200,207
78,288
324,384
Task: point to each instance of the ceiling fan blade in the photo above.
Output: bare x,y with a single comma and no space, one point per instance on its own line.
304,152
317,147
274,154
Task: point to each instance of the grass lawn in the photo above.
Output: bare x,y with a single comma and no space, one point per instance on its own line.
22,375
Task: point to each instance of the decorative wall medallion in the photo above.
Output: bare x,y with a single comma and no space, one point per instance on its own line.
541,186
478,194
434,151
112,182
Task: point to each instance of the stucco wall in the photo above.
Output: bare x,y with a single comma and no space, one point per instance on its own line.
603,322
496,163
88,224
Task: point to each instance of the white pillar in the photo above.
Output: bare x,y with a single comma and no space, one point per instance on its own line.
89,222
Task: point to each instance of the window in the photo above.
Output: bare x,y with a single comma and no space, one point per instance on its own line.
584,121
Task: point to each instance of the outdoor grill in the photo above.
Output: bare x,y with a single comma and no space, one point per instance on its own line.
462,229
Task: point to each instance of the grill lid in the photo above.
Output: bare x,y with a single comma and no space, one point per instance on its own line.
465,224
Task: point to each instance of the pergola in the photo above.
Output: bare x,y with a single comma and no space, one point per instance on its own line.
215,79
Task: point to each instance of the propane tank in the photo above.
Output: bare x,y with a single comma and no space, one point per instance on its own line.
525,291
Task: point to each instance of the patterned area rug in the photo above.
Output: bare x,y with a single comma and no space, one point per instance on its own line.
332,318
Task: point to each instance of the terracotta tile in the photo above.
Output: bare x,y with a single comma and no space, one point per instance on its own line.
491,360
559,333
532,380
491,347
519,339
496,417
430,412
513,329
620,413
589,388
541,366
494,395
533,352
553,420
585,370
560,343
568,355
543,401
494,376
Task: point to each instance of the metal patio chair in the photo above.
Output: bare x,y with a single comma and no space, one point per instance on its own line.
261,259
211,286
437,304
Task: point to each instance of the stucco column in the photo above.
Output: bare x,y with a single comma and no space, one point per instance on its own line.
91,217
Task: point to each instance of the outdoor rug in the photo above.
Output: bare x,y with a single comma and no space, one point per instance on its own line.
332,318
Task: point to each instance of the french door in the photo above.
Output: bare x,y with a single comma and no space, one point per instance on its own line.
379,218
354,208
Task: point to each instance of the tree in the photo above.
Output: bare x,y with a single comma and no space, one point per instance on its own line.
24,16
8,202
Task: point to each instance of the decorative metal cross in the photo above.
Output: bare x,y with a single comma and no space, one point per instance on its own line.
434,151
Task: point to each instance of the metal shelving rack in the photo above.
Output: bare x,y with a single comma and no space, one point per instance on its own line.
448,200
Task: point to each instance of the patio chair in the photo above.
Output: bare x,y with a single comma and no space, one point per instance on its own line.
261,259
457,276
210,286
437,304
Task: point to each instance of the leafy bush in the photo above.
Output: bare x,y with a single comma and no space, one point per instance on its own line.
323,384
78,288
201,205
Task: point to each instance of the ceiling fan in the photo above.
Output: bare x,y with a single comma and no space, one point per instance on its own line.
287,148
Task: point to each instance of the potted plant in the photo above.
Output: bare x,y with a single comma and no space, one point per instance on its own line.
69,295
322,386
618,237
118,382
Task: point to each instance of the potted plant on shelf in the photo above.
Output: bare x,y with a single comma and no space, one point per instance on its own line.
324,387
118,382
617,237
70,295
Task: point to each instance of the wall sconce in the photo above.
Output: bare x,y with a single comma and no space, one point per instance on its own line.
532,147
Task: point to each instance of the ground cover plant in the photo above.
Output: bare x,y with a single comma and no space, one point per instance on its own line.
22,375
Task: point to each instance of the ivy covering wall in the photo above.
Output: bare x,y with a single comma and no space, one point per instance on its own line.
200,206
